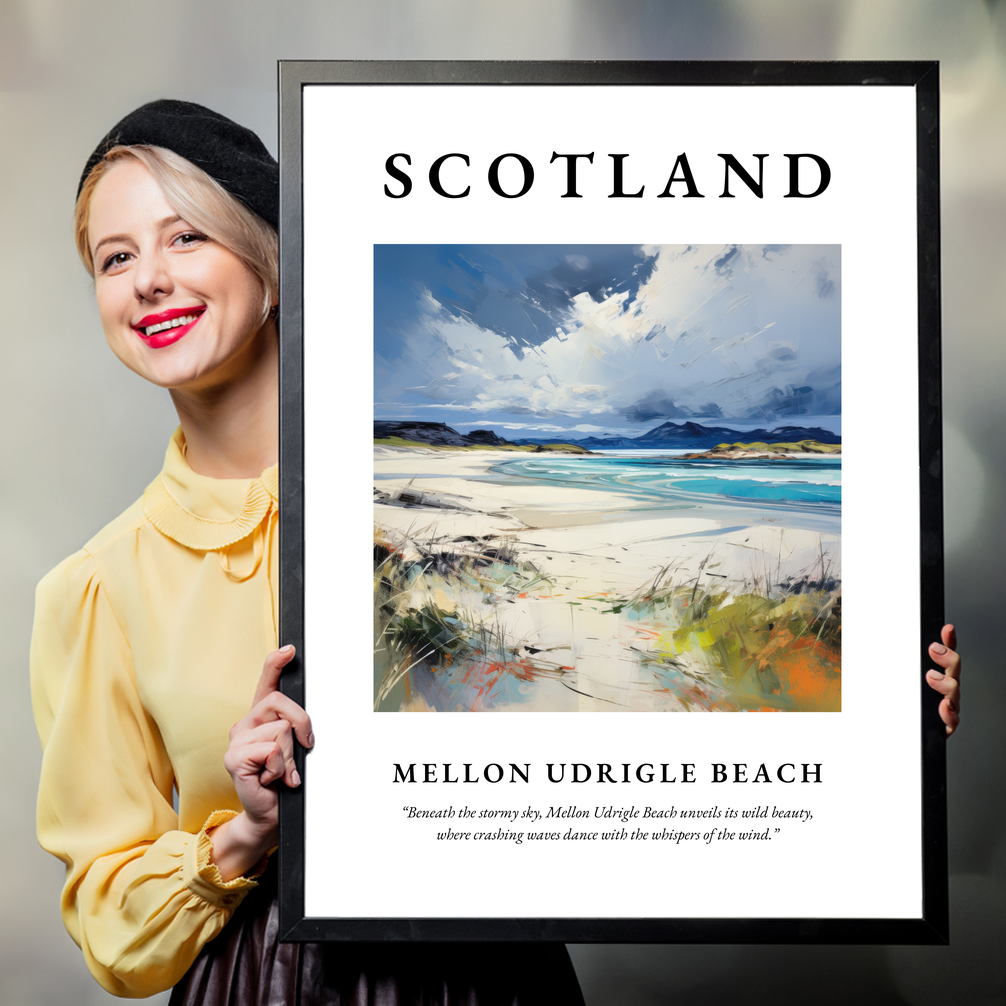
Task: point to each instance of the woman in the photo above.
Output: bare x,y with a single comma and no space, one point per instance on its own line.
148,643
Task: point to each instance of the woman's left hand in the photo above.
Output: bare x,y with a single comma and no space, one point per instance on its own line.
948,681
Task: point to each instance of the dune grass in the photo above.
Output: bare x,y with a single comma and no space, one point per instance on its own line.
443,611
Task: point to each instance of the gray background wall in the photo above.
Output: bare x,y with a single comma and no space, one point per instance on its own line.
82,436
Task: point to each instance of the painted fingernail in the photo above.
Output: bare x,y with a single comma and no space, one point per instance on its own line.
936,675
938,648
295,777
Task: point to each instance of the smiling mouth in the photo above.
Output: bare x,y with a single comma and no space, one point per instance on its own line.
185,319
167,321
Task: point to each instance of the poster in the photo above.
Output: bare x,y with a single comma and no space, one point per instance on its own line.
629,356
628,548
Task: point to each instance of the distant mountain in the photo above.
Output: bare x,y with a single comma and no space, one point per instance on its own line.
695,435
684,433
669,435
688,434
595,443
438,435
793,433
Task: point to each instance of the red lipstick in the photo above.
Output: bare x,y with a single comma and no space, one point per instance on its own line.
166,327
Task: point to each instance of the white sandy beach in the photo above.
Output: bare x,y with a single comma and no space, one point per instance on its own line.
591,546
596,540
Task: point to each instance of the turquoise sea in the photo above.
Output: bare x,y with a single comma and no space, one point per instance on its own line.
807,487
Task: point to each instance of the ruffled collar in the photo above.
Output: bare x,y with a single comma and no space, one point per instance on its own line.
203,513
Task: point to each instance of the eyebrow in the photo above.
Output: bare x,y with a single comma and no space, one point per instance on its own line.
111,238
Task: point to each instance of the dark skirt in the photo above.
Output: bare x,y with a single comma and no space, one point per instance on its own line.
246,965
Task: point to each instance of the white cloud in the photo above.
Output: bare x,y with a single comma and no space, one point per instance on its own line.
722,326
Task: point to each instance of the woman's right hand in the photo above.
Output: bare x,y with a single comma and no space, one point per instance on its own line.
260,753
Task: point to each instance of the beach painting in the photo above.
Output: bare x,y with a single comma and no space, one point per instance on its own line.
607,478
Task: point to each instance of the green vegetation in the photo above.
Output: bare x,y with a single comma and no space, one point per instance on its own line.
749,650
436,605
399,442
800,447
444,607
564,448
526,449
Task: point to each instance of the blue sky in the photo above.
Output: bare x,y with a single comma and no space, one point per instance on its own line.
589,339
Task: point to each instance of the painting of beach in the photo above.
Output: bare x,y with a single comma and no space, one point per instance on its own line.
607,478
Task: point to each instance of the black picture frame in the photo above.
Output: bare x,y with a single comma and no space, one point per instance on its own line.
931,927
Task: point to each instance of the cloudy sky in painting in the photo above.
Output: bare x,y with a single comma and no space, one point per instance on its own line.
606,338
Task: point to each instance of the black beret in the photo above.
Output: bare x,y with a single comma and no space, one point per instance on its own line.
230,154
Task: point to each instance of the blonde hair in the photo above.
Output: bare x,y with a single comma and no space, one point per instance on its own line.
199,200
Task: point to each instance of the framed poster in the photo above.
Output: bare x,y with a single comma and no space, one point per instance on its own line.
633,371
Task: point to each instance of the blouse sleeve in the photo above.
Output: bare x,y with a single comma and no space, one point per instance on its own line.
141,898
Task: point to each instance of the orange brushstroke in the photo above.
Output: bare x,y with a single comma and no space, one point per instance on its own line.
808,670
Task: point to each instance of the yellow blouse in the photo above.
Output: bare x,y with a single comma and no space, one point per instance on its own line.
147,647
